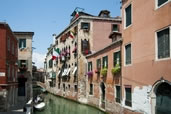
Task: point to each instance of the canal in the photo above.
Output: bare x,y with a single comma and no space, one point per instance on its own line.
58,105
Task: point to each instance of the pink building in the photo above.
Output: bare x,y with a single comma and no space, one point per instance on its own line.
146,53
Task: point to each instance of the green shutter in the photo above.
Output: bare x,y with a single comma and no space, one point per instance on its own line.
98,63
160,2
128,54
163,41
128,15
24,40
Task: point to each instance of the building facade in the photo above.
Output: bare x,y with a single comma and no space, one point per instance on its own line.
104,76
24,64
84,35
8,68
146,74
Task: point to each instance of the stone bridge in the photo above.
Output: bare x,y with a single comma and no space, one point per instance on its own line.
37,83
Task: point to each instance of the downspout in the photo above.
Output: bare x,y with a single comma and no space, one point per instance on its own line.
121,75
77,61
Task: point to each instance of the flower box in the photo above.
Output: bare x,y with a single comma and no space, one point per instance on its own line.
116,69
104,72
90,73
97,71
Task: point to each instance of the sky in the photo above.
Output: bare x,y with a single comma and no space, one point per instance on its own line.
47,17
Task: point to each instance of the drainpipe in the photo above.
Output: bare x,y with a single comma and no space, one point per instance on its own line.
121,74
77,60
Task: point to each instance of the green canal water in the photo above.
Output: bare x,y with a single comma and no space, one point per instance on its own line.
58,105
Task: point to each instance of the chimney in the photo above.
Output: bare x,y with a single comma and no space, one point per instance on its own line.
54,38
104,13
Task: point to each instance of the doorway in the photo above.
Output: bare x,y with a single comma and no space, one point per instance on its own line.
103,91
163,99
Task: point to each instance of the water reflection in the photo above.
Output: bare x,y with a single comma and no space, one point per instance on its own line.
58,105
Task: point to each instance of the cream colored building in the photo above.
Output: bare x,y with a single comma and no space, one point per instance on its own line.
24,64
85,34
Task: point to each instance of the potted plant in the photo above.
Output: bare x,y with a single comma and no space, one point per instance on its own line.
90,73
104,72
116,69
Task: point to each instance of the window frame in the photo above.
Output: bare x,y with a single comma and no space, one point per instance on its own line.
90,66
103,59
114,57
116,97
24,45
8,43
125,55
116,26
98,61
128,99
125,27
156,42
156,4
91,92
83,24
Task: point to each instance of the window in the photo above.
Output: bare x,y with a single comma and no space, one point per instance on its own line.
128,100
50,63
117,58
90,66
75,88
13,48
115,27
8,43
163,44
128,15
85,25
118,92
105,62
59,85
91,89
85,46
64,87
23,63
161,2
98,63
9,71
128,54
22,43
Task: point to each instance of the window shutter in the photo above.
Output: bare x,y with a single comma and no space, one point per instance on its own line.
160,2
128,15
24,40
128,54
82,46
163,43
106,61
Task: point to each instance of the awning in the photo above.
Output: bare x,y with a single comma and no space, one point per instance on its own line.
59,72
68,72
75,69
64,72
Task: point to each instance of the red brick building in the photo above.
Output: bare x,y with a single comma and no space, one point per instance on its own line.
8,67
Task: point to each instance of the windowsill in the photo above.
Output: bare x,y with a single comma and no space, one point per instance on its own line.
158,7
91,95
127,65
163,59
128,107
127,26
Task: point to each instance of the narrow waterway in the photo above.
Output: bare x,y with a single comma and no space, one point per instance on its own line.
58,105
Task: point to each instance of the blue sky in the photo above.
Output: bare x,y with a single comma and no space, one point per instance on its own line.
46,17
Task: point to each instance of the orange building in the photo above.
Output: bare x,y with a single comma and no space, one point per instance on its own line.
104,75
146,53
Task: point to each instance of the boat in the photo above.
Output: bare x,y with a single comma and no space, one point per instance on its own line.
40,106
39,103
